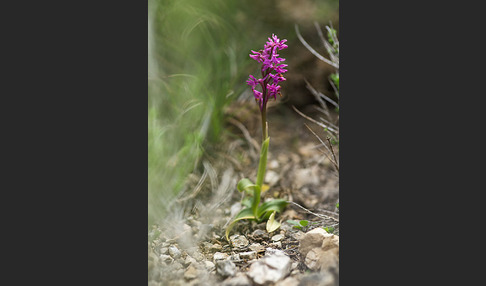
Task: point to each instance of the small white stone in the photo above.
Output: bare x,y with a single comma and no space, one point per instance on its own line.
174,252
235,257
273,164
249,255
289,281
277,244
176,265
189,260
277,237
219,256
190,273
271,268
166,258
239,240
216,247
271,178
225,268
303,177
164,250
239,280
257,247
270,251
312,239
209,265
320,249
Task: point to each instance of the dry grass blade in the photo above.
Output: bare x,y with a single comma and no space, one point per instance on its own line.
196,190
333,154
318,95
312,50
328,122
245,132
327,45
315,121
333,161
317,215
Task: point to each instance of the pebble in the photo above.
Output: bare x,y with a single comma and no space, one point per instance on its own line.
206,246
273,164
271,177
216,247
258,233
307,150
318,259
165,244
289,281
209,265
176,265
312,239
225,268
198,256
249,255
164,250
257,247
297,235
189,260
277,244
190,273
169,241
303,177
271,251
318,279
274,266
239,240
239,280
277,237
179,273
174,252
294,272
320,250
219,256
235,257
166,258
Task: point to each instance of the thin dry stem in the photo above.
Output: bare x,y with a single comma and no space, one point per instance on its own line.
245,132
318,94
312,50
197,189
334,162
333,154
315,121
317,215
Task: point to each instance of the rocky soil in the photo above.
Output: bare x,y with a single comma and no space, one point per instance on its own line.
189,247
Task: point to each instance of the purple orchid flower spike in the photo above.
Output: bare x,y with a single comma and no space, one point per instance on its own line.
272,71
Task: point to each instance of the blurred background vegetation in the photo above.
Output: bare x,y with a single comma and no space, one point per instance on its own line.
198,63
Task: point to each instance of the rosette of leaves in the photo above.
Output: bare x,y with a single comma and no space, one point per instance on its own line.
252,209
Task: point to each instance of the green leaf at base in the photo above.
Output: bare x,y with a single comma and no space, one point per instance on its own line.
294,223
274,205
243,214
304,222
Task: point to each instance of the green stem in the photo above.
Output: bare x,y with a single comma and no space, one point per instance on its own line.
262,166
264,124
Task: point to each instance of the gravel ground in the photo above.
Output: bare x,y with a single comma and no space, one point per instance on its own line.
190,248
